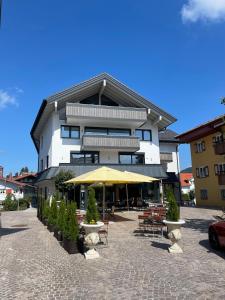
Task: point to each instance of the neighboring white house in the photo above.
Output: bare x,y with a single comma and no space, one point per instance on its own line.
8,186
101,122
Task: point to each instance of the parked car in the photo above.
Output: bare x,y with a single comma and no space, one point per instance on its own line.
216,234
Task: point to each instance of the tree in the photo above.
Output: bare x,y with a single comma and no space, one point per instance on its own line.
223,100
71,231
52,216
173,212
24,170
61,216
92,215
60,179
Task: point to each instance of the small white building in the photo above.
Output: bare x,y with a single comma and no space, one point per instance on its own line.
12,187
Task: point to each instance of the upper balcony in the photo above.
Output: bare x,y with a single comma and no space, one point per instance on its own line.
121,143
221,178
166,157
86,114
219,147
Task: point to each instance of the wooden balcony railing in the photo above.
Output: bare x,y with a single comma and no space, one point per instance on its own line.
219,148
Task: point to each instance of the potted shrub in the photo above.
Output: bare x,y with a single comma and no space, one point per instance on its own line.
45,212
52,217
91,223
173,222
58,233
70,230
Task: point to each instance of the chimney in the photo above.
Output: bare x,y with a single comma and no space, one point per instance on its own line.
1,172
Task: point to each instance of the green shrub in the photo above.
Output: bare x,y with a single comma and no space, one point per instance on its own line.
173,212
24,203
45,209
61,216
10,203
52,217
92,215
192,195
71,231
185,197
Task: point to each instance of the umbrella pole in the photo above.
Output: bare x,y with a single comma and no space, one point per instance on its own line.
103,203
127,197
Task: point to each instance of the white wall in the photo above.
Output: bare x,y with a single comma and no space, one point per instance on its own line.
170,148
59,149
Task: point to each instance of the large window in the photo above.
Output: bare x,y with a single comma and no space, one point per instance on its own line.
200,147
70,132
219,169
107,131
84,157
131,158
143,135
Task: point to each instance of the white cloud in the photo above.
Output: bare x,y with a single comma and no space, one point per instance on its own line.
7,99
204,10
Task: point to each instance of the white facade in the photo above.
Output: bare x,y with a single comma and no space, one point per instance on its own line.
174,165
58,149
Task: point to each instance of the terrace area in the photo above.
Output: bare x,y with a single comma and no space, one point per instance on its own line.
134,266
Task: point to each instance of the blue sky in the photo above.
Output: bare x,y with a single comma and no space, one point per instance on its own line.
172,52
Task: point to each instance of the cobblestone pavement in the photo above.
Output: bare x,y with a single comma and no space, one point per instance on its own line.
34,266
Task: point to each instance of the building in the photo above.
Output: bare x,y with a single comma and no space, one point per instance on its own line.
207,143
186,181
169,158
101,122
30,190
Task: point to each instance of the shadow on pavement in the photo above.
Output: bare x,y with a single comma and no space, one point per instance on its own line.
163,246
205,244
7,231
198,224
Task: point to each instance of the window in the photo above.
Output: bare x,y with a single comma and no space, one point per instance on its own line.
202,172
84,157
222,192
204,194
218,139
200,147
143,135
219,169
70,132
107,131
131,158
47,161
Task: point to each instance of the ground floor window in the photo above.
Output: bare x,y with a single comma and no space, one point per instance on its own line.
84,157
222,194
131,158
204,194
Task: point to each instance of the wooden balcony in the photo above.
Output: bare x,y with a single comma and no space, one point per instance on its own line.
221,178
219,148
100,142
87,114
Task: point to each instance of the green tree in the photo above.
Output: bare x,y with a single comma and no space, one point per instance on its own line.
9,203
173,212
24,170
61,216
92,215
71,230
60,179
45,209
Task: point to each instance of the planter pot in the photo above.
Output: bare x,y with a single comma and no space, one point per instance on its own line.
91,238
90,228
70,246
174,235
58,234
45,222
51,227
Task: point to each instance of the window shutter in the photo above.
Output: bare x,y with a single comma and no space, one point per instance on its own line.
196,147
206,171
214,139
197,172
216,169
203,146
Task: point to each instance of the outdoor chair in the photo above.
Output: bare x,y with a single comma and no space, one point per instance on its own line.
103,233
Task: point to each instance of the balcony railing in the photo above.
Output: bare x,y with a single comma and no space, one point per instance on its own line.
219,147
98,142
116,114
167,157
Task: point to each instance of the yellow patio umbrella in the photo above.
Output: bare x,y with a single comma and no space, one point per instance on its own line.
106,175
140,177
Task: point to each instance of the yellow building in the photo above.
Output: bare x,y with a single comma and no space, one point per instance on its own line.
207,143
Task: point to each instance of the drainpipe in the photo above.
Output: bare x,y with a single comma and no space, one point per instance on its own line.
178,174
101,92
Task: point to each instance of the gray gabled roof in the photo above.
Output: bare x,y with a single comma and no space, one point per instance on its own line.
168,136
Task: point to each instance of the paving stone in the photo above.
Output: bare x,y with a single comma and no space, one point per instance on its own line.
34,266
